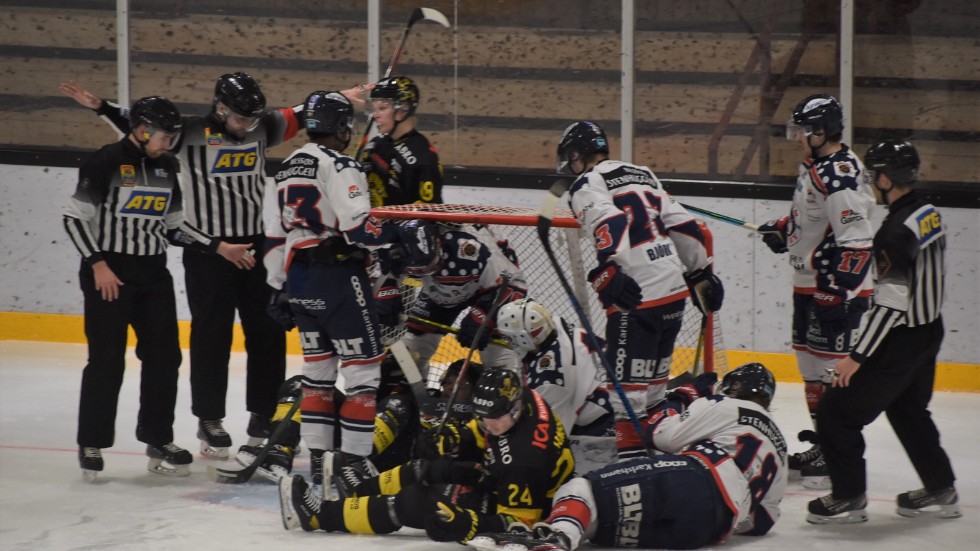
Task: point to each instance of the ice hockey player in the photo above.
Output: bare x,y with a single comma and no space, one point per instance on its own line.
521,455
402,166
317,245
723,472
828,236
557,362
279,461
460,268
650,251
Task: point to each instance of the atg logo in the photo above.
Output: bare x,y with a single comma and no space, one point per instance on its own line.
235,160
147,203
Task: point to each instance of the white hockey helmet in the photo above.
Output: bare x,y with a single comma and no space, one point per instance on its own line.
526,324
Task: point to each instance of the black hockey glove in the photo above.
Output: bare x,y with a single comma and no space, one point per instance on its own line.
614,287
470,326
704,284
830,308
279,310
388,303
444,470
774,234
390,260
434,443
451,522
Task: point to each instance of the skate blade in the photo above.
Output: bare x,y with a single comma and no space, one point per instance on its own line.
484,543
244,458
850,517
89,475
208,452
817,482
289,520
943,511
158,466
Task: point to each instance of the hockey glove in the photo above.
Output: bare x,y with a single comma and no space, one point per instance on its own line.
390,260
700,387
279,310
452,523
434,443
707,288
444,470
388,303
470,326
830,308
774,234
614,287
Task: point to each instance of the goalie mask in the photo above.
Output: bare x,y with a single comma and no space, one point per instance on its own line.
752,381
526,324
579,141
421,248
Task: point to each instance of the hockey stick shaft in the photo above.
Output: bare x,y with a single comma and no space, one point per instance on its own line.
418,14
428,404
722,218
544,224
228,476
498,299
450,329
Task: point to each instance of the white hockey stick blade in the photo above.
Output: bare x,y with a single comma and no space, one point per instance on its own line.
435,15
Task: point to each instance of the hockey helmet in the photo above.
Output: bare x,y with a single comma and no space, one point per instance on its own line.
401,90
896,158
819,113
752,381
328,113
157,112
580,139
240,93
526,324
421,247
497,393
451,373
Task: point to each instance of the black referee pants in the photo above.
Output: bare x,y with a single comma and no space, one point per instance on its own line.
215,289
146,301
897,379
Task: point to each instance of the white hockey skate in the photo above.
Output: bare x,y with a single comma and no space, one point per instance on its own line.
215,440
299,504
169,460
278,462
90,459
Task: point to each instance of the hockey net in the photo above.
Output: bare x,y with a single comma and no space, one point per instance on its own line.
576,256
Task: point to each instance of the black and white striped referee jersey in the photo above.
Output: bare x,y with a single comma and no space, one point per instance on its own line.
909,257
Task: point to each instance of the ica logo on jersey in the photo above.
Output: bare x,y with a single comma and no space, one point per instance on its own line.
235,160
143,202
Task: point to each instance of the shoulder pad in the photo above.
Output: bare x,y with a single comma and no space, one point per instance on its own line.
840,171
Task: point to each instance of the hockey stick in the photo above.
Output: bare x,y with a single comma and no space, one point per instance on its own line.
431,405
544,224
721,217
239,476
698,366
498,299
450,329
418,14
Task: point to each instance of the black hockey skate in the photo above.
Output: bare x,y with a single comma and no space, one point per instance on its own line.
277,463
215,440
299,504
923,503
815,475
259,427
90,459
799,460
169,459
542,537
349,471
827,510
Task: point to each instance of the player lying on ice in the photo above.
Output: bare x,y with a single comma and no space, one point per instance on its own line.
476,485
723,471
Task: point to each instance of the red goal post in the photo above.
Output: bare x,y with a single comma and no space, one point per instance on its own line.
575,253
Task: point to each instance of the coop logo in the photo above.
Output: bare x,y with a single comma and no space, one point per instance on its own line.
146,203
235,160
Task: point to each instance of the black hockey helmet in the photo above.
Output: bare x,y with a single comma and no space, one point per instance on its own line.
580,139
421,247
449,376
157,112
896,158
327,113
497,393
819,113
240,93
402,90
752,381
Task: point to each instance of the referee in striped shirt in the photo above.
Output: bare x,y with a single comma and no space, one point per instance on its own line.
892,366
125,210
